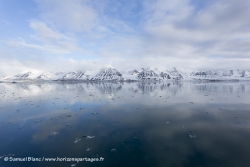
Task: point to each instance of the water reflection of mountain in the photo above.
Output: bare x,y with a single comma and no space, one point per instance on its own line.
221,87
147,87
108,87
35,88
70,86
143,87
105,88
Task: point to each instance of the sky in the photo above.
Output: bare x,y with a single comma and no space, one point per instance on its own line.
71,35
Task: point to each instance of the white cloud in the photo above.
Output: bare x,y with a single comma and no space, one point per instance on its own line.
6,22
121,64
135,34
217,29
59,47
76,15
46,39
45,33
11,67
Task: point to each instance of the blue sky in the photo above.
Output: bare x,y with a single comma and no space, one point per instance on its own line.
56,35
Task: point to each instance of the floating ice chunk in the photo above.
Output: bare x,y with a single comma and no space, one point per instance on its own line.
73,165
90,137
89,149
54,133
77,140
192,136
113,150
167,122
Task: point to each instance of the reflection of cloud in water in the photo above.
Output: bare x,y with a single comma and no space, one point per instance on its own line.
45,131
214,139
29,88
142,112
54,121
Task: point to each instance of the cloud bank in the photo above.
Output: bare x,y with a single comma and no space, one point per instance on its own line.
81,34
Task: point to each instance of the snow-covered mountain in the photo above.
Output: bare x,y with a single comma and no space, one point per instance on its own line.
45,76
133,72
175,73
30,75
25,76
154,74
221,75
240,73
58,76
246,74
145,74
205,74
108,74
149,74
72,76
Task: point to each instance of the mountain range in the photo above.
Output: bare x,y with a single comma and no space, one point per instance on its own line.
144,74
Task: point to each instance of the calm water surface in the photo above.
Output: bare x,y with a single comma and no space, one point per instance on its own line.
145,125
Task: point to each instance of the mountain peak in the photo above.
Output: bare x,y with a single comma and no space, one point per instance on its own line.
109,73
109,66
